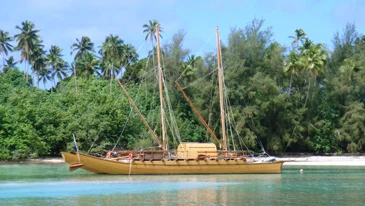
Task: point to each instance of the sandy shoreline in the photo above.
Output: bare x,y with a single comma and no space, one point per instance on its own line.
325,160
304,160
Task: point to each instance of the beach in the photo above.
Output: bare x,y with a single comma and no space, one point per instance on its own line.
325,160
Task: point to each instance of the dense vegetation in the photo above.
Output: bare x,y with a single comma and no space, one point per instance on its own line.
304,98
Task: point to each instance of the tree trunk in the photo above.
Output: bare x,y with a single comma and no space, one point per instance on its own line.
38,80
291,77
309,85
3,61
26,60
75,79
111,78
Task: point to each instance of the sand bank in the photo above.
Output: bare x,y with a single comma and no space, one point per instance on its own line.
325,160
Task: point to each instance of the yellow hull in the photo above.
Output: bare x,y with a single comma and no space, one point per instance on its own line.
108,166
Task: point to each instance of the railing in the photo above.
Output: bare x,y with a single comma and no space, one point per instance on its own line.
151,155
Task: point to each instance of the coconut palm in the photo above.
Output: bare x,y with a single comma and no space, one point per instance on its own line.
110,68
27,39
37,57
59,70
313,59
111,52
39,65
5,45
129,55
299,37
188,68
112,47
191,60
81,47
88,65
38,60
153,52
150,30
56,64
44,76
10,62
293,66
73,74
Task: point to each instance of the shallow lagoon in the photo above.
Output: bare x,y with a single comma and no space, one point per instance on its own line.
53,184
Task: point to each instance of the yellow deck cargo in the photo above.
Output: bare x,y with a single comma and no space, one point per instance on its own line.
193,150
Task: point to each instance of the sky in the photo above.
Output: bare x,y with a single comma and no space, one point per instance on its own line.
62,21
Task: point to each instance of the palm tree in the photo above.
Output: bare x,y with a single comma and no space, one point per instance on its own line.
39,65
73,73
112,47
314,58
10,62
306,44
153,52
38,60
56,64
111,51
293,66
129,55
83,46
44,76
188,68
191,60
59,70
27,38
299,37
5,46
150,29
110,68
88,65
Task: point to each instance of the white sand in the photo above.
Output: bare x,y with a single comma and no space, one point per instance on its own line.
325,160
45,160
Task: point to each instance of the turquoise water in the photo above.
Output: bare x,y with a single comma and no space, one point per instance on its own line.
53,184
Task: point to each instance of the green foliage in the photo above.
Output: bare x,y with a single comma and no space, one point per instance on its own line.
297,99
353,127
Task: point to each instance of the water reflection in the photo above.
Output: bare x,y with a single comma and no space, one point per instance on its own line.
84,187
54,185
177,178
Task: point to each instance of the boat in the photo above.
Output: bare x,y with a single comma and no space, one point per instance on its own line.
188,158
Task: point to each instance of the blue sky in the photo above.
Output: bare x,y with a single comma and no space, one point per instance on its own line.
62,21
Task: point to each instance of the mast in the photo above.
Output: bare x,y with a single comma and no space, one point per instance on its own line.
139,113
164,146
220,80
198,114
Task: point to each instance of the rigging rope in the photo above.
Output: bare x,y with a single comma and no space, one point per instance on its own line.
200,51
131,108
201,78
140,47
125,124
175,130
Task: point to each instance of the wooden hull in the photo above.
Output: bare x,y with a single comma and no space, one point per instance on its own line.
123,167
